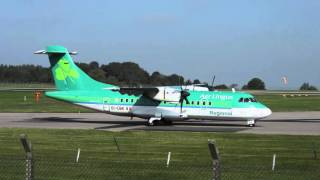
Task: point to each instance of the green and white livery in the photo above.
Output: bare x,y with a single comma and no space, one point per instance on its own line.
157,104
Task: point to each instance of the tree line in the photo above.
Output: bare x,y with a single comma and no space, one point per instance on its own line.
26,73
121,74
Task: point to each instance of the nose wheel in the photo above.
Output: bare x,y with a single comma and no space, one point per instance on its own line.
251,123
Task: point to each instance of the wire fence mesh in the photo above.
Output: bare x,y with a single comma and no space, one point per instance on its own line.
54,169
127,157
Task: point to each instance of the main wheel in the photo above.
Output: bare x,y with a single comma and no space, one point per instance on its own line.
153,122
167,122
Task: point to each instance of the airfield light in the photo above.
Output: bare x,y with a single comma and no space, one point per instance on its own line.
37,95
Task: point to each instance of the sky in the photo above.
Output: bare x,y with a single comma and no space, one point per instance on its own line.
233,40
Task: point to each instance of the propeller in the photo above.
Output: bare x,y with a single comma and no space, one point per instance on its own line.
183,96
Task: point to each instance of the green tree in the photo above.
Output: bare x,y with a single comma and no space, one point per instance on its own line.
84,66
175,79
306,86
158,79
188,82
128,73
196,81
97,74
221,86
255,84
94,65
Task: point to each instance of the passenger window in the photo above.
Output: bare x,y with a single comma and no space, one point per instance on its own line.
126,100
198,103
121,100
132,100
204,103
241,100
209,103
192,102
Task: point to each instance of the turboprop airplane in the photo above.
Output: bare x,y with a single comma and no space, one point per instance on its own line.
156,104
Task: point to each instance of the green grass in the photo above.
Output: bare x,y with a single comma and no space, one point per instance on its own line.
295,103
26,85
13,101
143,155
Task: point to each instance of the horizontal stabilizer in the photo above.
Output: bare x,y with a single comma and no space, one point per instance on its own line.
40,52
51,51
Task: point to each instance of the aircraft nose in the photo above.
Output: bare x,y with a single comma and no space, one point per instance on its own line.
266,112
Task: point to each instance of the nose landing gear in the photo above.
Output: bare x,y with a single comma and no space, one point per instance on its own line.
251,122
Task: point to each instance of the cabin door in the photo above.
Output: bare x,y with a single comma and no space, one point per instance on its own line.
106,104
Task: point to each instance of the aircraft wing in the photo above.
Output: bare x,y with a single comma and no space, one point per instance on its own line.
146,91
168,94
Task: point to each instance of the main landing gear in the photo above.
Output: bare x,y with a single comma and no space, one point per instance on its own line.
251,122
154,121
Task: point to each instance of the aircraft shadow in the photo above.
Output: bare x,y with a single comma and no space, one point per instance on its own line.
191,125
83,120
291,120
135,122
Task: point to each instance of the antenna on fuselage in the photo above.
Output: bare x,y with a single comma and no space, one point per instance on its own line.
212,83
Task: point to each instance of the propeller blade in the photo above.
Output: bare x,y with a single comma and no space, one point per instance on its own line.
187,101
183,96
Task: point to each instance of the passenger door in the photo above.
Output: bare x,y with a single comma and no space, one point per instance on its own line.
106,104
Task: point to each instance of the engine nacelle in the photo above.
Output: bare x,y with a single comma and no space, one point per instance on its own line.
167,94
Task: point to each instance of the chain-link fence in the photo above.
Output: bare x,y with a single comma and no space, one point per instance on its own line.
148,158
58,169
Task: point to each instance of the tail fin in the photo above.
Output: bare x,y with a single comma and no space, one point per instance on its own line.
67,75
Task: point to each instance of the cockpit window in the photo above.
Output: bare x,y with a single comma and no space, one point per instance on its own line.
253,100
248,100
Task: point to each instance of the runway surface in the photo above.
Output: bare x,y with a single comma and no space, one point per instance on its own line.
298,123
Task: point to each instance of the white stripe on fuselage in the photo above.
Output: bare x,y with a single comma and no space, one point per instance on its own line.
173,112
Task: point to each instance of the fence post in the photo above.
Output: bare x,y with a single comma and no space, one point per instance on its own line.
314,151
215,160
29,161
274,161
116,142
